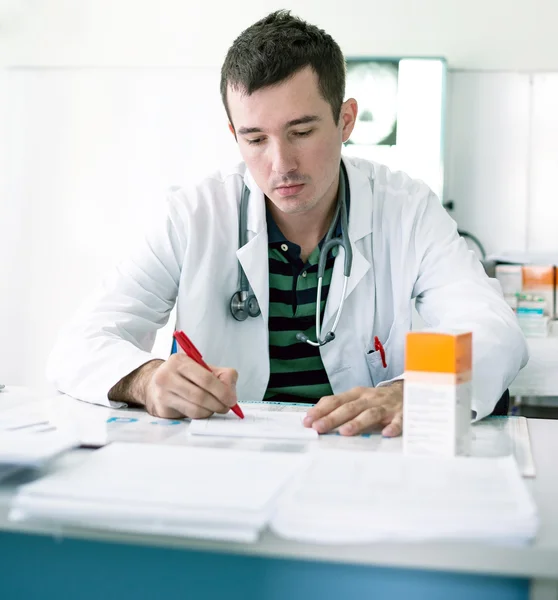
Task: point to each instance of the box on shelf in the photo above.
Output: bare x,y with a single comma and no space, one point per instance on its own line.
524,284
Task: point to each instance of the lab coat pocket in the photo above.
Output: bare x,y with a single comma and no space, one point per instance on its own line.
378,372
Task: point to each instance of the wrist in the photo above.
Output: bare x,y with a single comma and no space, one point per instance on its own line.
134,387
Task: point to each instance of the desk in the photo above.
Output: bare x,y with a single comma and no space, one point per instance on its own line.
39,561
540,376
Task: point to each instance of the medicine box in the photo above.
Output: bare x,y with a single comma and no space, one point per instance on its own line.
536,280
437,393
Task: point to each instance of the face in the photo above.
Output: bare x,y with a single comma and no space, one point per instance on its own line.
290,142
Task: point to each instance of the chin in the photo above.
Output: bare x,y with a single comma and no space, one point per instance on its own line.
292,207
296,204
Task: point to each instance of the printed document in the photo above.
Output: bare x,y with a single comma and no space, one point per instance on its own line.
256,424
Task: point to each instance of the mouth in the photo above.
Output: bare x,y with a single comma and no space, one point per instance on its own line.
289,190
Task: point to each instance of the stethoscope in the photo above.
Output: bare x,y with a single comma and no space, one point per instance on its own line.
244,303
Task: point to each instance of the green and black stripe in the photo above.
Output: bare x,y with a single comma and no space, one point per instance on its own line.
297,373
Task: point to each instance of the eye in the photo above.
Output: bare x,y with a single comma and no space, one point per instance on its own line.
303,133
255,141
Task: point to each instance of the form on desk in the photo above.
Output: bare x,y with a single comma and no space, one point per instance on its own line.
97,426
256,424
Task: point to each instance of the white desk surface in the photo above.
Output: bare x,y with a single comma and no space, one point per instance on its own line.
540,376
539,560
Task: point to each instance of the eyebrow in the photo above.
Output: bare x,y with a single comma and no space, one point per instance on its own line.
301,121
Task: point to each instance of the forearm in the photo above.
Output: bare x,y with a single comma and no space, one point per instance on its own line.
133,388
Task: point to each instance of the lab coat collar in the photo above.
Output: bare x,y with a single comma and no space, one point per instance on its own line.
254,255
360,186
256,221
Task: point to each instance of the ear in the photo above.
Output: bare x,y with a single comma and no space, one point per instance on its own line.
347,118
231,129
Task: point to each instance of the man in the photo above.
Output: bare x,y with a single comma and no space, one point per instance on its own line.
283,86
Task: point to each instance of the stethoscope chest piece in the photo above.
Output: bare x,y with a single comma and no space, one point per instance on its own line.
243,305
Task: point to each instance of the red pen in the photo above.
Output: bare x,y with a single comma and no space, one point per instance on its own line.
378,347
191,351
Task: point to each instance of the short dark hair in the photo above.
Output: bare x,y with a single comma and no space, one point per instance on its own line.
274,49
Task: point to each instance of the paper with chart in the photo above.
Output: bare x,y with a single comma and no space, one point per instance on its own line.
256,424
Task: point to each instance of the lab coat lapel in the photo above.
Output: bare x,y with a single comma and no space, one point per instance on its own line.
253,256
360,226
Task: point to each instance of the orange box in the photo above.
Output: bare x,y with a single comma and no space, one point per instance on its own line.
539,281
437,393
439,352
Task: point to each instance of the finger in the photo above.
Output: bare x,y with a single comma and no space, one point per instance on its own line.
194,394
161,410
172,406
187,408
191,372
327,404
365,421
340,415
395,428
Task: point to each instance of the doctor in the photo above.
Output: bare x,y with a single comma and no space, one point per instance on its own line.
282,85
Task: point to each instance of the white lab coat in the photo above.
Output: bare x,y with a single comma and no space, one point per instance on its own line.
405,247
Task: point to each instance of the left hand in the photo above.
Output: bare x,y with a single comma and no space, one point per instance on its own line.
360,410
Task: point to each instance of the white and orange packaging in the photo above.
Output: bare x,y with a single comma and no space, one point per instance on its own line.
539,280
437,393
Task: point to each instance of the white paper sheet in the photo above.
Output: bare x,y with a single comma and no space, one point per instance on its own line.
347,497
204,492
256,424
26,450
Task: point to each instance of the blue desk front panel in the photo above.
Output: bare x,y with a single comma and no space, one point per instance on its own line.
34,566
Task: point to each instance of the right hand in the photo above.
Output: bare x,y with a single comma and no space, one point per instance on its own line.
179,387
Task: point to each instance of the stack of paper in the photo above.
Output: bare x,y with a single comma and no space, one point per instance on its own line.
199,492
352,497
30,451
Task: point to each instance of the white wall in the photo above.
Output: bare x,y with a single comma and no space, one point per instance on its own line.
88,154
502,158
487,156
471,34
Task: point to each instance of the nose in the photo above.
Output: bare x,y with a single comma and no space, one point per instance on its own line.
283,159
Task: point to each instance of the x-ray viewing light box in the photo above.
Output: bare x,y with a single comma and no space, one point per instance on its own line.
401,114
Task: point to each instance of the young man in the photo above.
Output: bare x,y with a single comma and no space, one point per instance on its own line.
283,84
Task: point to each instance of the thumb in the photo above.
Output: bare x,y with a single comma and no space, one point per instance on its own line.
228,376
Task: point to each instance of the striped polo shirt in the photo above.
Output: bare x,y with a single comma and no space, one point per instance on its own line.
297,373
